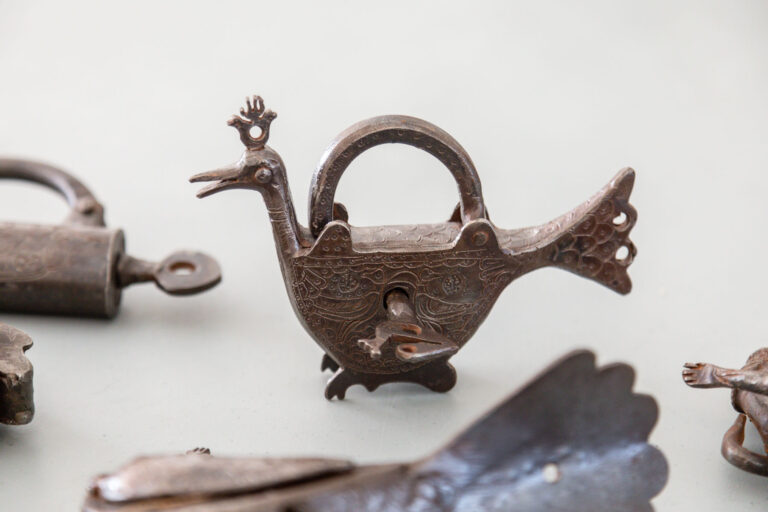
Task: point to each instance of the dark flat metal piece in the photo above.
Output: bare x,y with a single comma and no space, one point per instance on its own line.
80,267
16,404
575,438
338,276
749,398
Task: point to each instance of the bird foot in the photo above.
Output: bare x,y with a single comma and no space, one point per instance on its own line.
438,376
328,364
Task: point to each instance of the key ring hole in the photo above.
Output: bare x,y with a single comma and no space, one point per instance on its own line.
182,268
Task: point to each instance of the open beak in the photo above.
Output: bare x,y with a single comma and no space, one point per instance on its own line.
222,179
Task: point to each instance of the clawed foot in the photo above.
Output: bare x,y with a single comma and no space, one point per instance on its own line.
328,364
342,380
439,376
702,375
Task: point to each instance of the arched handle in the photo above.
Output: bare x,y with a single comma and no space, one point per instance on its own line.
85,209
392,129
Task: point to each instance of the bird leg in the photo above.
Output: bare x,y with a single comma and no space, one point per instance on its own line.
328,363
438,376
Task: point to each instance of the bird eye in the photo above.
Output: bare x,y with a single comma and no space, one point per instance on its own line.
263,175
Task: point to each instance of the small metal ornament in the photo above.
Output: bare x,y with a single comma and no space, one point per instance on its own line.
394,303
16,404
575,438
750,399
80,266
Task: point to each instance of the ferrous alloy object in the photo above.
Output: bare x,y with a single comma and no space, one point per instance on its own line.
394,303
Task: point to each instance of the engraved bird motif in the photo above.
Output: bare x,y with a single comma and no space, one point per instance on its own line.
394,303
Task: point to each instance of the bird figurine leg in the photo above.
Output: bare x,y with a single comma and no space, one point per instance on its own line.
438,376
328,364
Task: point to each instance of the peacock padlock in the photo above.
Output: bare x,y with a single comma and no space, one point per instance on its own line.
394,303
80,266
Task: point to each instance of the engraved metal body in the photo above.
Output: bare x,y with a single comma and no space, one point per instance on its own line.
575,438
16,404
394,303
80,267
749,398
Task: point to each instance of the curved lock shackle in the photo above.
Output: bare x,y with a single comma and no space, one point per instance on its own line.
85,208
364,135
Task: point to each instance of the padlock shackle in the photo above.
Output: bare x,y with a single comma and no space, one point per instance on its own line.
364,135
85,208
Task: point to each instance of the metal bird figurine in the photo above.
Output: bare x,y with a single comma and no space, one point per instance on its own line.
575,438
750,399
394,303
16,405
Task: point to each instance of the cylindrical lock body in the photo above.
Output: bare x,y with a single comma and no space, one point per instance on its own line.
67,270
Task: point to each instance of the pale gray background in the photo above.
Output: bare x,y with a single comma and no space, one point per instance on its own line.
549,98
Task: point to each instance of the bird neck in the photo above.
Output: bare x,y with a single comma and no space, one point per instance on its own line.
289,235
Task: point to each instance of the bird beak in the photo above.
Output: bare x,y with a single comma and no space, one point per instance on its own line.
222,179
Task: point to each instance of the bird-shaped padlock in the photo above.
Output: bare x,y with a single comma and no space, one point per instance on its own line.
394,303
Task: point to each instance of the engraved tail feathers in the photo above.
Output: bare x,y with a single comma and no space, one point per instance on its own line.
594,237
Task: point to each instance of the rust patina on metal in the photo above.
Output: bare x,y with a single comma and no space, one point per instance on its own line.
16,404
575,438
394,303
749,398
80,267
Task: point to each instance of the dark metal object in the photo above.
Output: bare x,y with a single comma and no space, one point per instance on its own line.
80,267
446,277
16,404
573,439
749,398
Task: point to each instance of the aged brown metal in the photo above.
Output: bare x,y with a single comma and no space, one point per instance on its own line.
575,438
749,398
16,404
80,267
446,277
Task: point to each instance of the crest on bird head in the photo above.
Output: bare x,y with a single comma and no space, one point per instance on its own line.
253,115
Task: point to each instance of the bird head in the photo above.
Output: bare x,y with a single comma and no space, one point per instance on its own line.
259,166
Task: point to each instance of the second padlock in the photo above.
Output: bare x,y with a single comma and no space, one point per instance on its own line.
80,266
